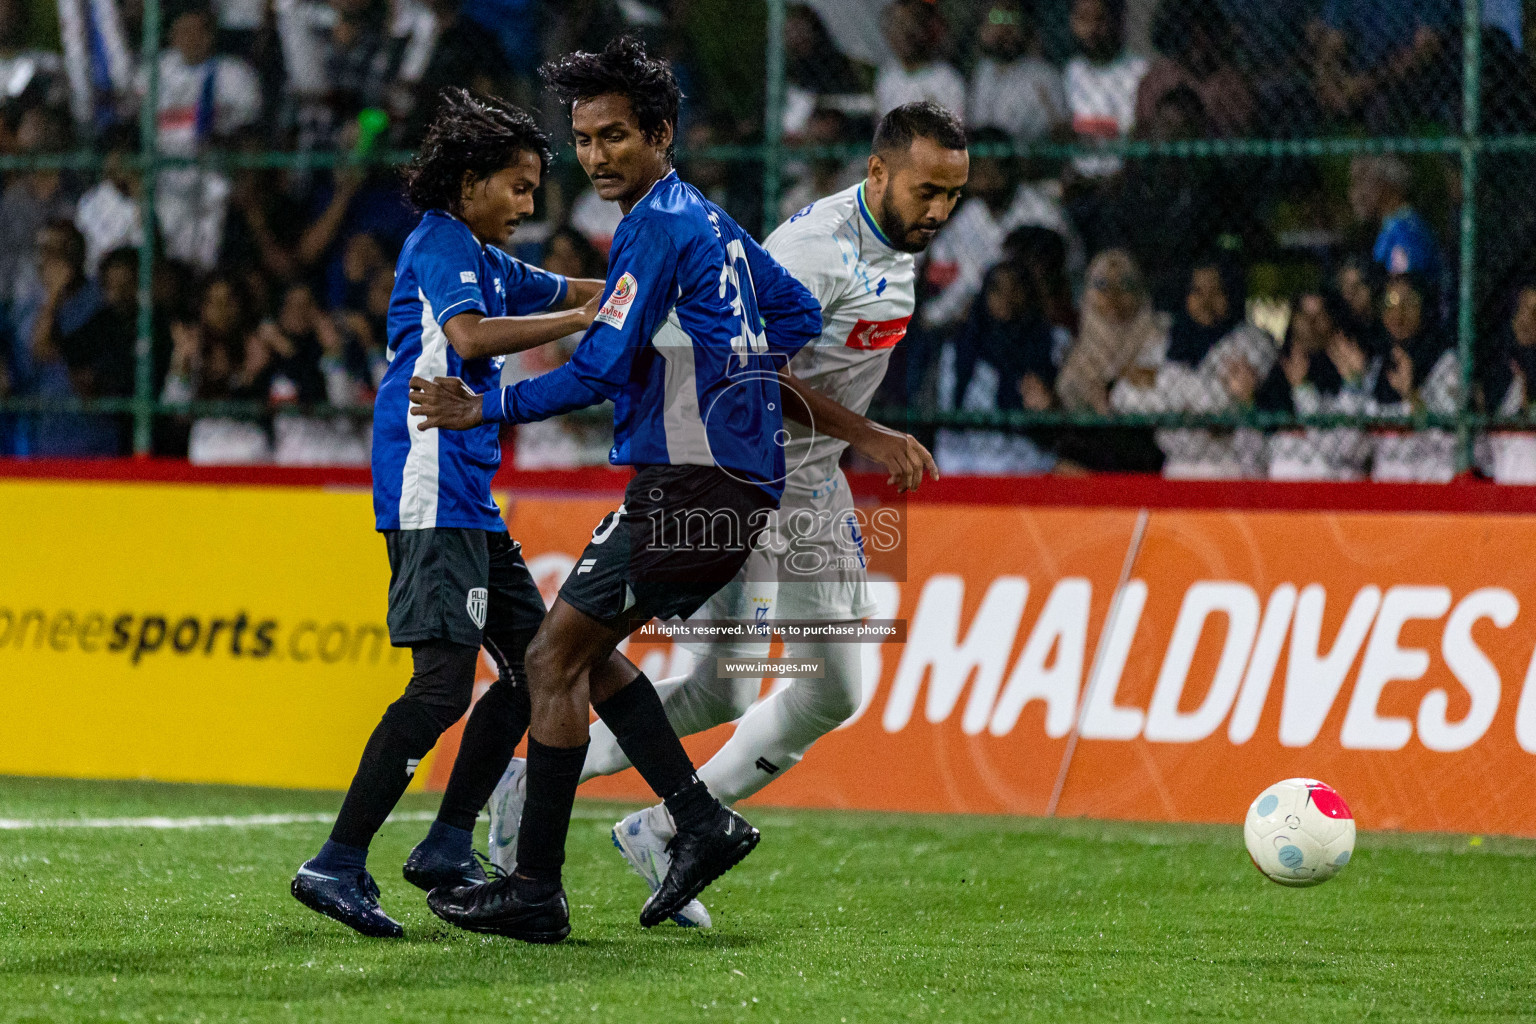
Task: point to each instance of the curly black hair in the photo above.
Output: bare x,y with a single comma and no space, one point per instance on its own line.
623,69
472,134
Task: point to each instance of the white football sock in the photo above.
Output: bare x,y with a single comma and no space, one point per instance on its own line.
778,731
694,702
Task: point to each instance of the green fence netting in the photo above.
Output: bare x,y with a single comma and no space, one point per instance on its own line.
1248,139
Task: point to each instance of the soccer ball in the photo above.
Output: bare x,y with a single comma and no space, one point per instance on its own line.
1299,832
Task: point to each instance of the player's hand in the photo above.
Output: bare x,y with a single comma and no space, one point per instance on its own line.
902,456
444,402
591,308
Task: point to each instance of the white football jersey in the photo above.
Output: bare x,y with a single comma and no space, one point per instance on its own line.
865,288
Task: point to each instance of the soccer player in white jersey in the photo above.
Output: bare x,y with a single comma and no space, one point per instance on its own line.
854,252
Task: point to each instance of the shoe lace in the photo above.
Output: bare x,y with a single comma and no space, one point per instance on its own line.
369,886
492,869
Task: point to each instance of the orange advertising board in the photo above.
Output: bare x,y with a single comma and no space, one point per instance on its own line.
1384,652
1186,657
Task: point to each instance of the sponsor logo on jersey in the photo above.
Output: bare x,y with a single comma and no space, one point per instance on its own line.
468,277
803,211
616,307
475,605
869,335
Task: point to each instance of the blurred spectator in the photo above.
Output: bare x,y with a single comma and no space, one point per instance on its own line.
1119,336
204,98
28,76
915,32
1004,359
582,439
265,224
1045,256
1012,88
822,176
98,61
1195,45
339,61
456,52
1101,81
596,218
739,195
1419,373
310,363
218,357
32,199
1324,334
818,76
1509,389
1355,282
47,333
1213,363
1378,194
355,202
108,213
971,243
1387,60
1202,205
365,314
100,353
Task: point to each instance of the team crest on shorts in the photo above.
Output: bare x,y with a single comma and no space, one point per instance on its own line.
475,605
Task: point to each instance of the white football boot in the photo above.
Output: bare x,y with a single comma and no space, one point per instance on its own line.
642,840
507,814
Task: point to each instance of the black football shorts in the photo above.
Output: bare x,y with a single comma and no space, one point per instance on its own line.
681,534
466,586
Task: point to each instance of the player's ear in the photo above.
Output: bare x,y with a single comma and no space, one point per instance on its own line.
875,171
665,135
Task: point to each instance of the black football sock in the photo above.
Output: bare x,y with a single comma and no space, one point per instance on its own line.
694,808
400,740
336,858
491,736
639,724
553,774
442,679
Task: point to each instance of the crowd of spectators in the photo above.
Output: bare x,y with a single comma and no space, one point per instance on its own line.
1102,284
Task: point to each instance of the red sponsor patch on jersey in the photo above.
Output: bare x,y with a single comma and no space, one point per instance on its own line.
1326,799
872,334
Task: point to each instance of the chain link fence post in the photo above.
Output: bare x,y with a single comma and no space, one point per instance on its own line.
1466,319
149,167
773,115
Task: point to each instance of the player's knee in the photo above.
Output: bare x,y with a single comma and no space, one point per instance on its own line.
550,667
418,722
736,696
442,684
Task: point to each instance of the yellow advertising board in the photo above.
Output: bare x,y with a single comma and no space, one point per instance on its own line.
190,632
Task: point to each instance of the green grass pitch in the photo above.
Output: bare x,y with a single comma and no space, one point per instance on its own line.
837,916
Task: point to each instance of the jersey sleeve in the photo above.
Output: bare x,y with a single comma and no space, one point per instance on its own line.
640,292
447,265
816,262
532,290
791,313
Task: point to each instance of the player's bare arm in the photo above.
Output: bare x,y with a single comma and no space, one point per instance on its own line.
474,335
902,455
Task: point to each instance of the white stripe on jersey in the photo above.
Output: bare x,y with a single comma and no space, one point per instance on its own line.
418,485
687,439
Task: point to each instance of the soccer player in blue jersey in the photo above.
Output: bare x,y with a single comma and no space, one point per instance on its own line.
697,322
456,579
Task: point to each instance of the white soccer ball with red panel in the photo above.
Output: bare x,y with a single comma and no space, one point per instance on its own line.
1299,832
